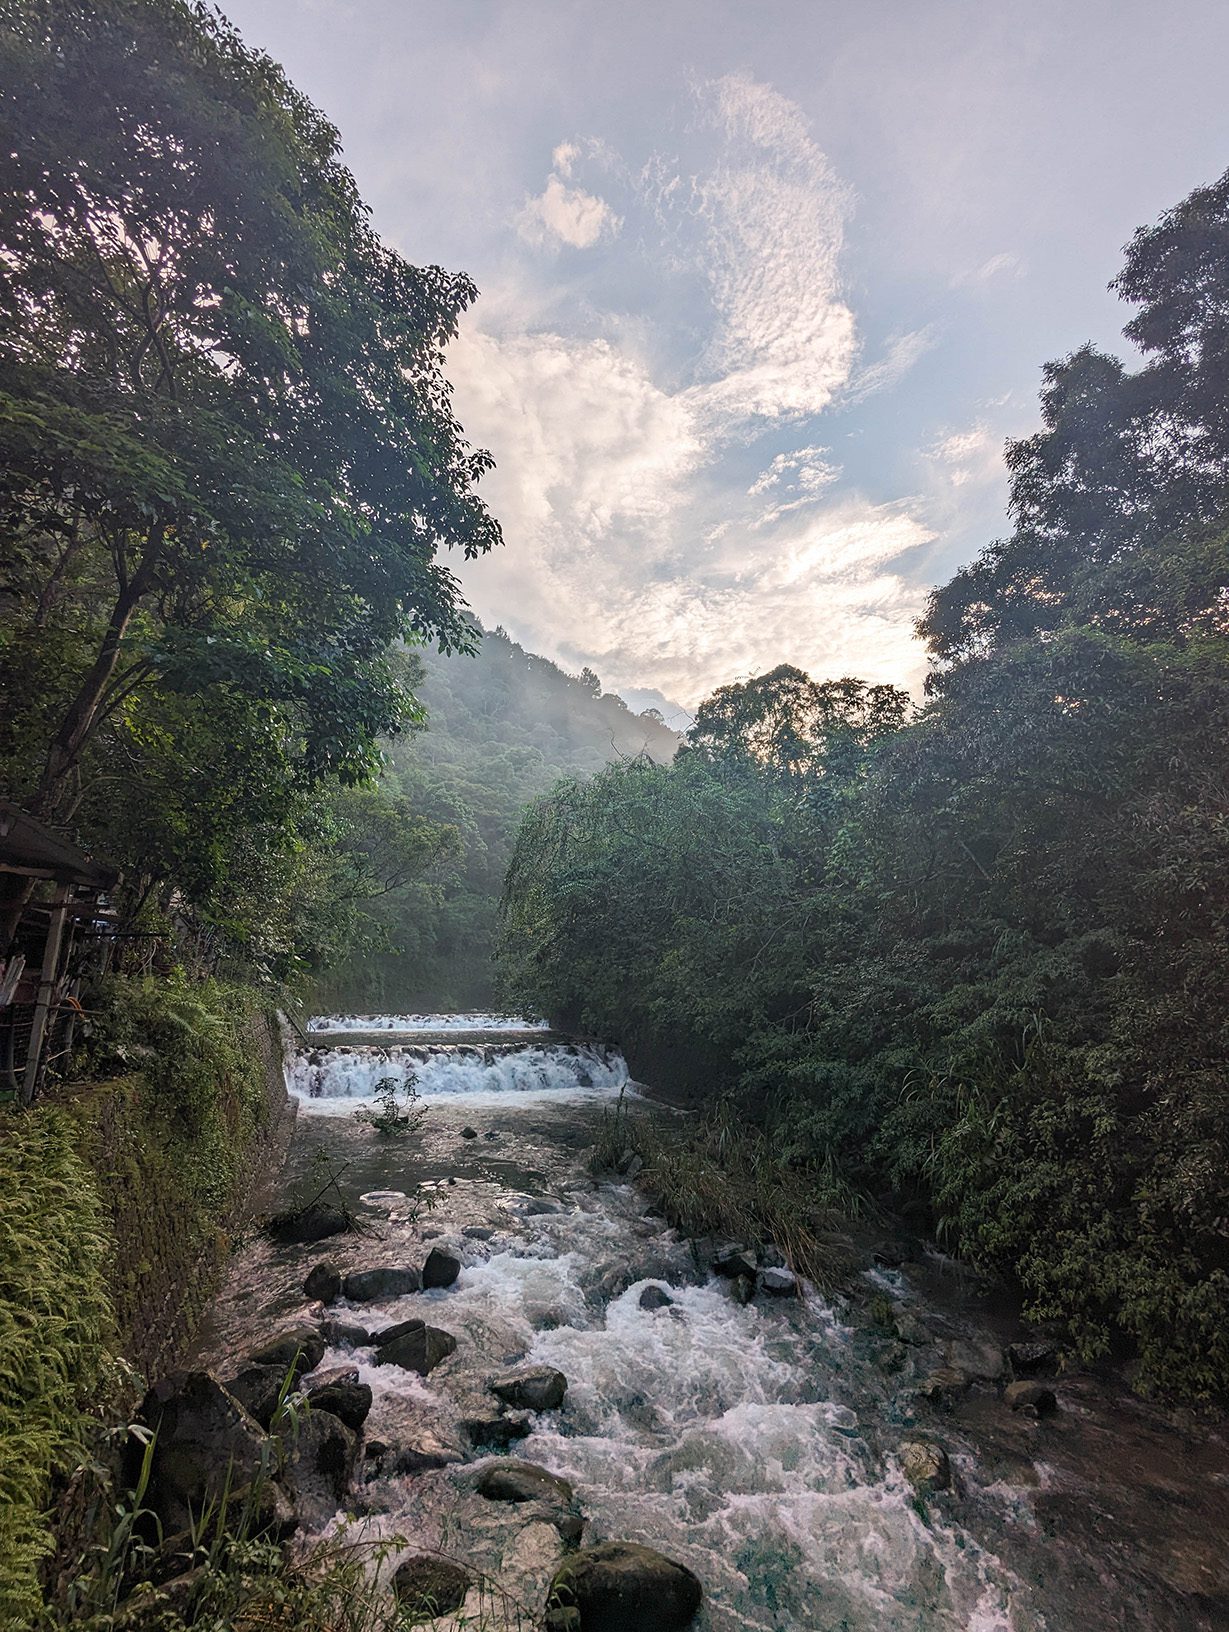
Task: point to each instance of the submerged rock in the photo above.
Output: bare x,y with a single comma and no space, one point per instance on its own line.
742,1288
323,1282
478,1232
372,1285
655,1297
420,1349
469,1133
302,1225
925,1466
617,1586
440,1269
1031,1398
496,1429
532,1388
344,1334
301,1349
427,1587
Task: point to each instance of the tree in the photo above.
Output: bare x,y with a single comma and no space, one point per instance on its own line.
229,455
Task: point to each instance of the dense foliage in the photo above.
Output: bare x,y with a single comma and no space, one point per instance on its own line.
974,956
502,727
229,465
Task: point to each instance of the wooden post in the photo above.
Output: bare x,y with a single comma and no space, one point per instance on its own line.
46,991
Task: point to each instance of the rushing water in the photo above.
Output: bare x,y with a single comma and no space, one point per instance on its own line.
758,1444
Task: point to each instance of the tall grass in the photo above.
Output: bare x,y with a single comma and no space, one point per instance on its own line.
723,1177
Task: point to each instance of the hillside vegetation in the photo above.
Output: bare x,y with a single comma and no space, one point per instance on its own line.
972,956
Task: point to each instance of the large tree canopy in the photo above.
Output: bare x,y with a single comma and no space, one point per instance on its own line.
230,462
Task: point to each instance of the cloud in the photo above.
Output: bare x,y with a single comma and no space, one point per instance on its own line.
998,266
566,214
972,455
900,354
774,215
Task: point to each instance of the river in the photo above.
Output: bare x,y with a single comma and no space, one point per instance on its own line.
758,1444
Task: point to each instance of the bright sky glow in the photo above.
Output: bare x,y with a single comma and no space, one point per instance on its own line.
764,286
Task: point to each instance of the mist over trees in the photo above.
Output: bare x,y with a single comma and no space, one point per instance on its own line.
973,955
501,728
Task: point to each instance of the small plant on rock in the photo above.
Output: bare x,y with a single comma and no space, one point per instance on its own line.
387,1117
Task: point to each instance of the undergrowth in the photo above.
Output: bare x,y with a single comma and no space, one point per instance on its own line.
724,1177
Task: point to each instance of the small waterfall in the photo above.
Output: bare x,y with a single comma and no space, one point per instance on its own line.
423,1022
332,1076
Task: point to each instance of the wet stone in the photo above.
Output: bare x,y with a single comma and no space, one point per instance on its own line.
469,1133
300,1349
734,1262
420,1350
307,1224
655,1297
373,1285
427,1587
925,1466
617,1586
779,1282
1031,1399
441,1269
497,1430
478,1232
532,1388
259,1390
944,1386
1037,1359
323,1283
319,1465
347,1399
344,1334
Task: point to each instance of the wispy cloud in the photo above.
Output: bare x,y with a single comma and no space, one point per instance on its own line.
563,214
1004,265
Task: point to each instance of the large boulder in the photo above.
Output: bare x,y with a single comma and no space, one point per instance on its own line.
320,1457
419,1348
731,1262
779,1282
301,1349
531,1388
440,1269
306,1224
206,1443
617,1586
426,1587
373,1285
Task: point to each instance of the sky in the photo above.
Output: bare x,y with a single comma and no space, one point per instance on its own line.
764,286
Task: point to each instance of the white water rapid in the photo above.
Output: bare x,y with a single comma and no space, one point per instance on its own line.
758,1444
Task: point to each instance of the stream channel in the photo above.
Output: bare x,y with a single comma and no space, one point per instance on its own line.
758,1444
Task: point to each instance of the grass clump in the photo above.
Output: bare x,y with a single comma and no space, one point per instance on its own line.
724,1177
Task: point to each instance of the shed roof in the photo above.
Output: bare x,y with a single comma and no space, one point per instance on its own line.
34,850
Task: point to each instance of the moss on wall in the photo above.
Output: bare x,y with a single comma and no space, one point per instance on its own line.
119,1201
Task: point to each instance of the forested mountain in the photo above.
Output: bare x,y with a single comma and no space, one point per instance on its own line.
501,728
972,957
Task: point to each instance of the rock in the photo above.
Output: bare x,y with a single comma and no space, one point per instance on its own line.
512,1481
497,1430
423,1450
321,1454
347,1400
344,1334
259,1390
427,1587
387,1333
440,1269
323,1282
478,1232
733,1261
420,1350
532,1388
491,1133
207,1443
301,1349
779,1283
925,1466
976,1357
909,1329
302,1225
888,1255
1032,1398
541,1207
655,1297
373,1285
743,1289
944,1386
617,1586
1037,1359
469,1133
